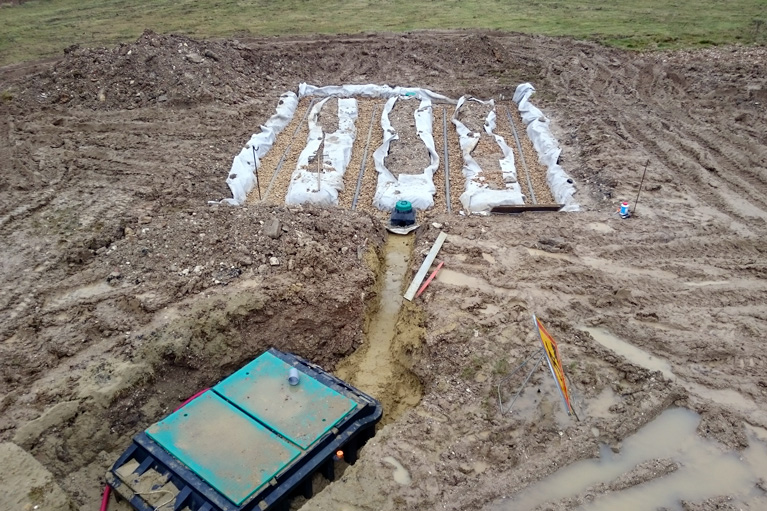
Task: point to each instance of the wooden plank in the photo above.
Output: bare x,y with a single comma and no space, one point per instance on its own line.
425,267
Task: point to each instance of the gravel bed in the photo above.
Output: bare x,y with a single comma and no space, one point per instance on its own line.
279,188
440,198
370,179
537,171
365,109
271,159
503,128
457,179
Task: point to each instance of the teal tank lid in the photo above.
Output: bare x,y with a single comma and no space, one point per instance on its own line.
403,206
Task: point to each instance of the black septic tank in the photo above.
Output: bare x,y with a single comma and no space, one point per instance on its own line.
403,214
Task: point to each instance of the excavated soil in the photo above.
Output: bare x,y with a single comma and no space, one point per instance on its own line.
123,291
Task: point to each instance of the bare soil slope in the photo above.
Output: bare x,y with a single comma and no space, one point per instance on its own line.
122,292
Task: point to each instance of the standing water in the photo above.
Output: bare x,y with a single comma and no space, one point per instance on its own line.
703,471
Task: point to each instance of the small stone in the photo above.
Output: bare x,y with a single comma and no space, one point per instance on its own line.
173,268
195,58
291,264
129,232
344,250
274,261
145,219
197,269
272,228
162,98
437,225
211,55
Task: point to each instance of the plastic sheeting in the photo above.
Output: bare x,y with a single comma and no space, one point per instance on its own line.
242,178
308,185
561,185
417,188
371,91
478,197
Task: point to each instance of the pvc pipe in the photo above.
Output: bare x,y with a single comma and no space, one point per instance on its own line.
293,376
105,498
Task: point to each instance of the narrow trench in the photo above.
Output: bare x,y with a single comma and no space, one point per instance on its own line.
380,366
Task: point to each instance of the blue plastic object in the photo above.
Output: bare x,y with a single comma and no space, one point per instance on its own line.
249,443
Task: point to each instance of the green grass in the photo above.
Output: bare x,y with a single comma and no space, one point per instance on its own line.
40,28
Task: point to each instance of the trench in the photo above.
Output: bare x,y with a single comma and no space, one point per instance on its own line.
381,365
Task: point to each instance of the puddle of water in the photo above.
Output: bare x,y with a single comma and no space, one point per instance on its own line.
401,474
553,255
704,283
726,397
489,258
604,265
490,309
599,406
600,227
81,293
630,352
704,471
455,278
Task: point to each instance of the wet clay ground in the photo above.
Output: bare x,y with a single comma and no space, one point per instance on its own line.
123,292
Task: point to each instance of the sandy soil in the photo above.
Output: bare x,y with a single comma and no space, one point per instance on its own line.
123,292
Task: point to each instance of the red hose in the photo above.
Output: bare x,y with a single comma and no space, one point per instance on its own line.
105,498
191,399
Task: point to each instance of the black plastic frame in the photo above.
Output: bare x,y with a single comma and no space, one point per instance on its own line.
349,435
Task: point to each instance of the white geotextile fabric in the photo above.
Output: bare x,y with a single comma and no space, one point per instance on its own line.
242,178
419,189
305,185
478,197
562,187
371,91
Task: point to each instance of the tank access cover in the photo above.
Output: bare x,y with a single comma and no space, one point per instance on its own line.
251,442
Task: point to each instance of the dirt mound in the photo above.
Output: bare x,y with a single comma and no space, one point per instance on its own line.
155,69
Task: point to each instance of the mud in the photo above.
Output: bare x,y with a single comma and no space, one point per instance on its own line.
381,367
123,292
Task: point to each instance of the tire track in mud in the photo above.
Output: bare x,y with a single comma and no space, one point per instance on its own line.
671,156
679,139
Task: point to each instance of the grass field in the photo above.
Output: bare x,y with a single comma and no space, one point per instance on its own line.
41,28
